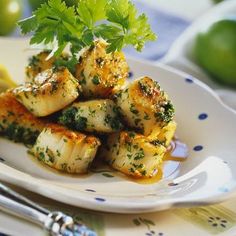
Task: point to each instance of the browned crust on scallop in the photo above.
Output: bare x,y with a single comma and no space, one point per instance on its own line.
147,91
124,137
50,80
13,111
73,135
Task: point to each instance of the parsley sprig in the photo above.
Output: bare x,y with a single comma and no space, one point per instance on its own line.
116,21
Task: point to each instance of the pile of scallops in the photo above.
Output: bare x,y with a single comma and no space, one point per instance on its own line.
72,117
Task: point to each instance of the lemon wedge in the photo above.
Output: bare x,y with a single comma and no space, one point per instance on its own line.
5,80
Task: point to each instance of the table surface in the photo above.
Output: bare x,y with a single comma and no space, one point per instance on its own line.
210,220
217,219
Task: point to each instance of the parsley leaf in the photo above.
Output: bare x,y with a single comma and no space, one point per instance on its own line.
69,63
136,28
116,21
91,11
118,12
53,20
107,31
27,25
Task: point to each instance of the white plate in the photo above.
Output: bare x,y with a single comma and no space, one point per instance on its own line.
204,124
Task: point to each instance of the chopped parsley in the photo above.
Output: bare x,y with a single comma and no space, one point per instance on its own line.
34,61
71,118
146,116
114,122
139,155
82,78
96,80
18,133
145,88
133,109
80,123
157,142
167,114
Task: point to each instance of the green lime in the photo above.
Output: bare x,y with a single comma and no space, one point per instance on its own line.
215,50
10,13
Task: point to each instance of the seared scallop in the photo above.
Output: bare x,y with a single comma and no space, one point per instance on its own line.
144,105
164,133
51,91
93,116
101,73
133,154
65,150
16,122
39,63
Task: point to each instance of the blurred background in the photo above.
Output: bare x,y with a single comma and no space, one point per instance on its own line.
204,48
169,18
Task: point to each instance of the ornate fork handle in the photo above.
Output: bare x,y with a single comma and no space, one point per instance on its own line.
56,223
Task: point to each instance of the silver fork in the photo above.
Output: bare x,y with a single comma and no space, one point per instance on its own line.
56,223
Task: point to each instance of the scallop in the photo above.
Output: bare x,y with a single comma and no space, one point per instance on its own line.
40,62
16,122
51,91
101,73
99,116
144,105
65,150
133,154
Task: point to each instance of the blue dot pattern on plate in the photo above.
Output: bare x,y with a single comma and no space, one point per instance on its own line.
99,199
1,159
223,189
188,80
172,184
152,233
130,75
90,190
202,116
198,148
